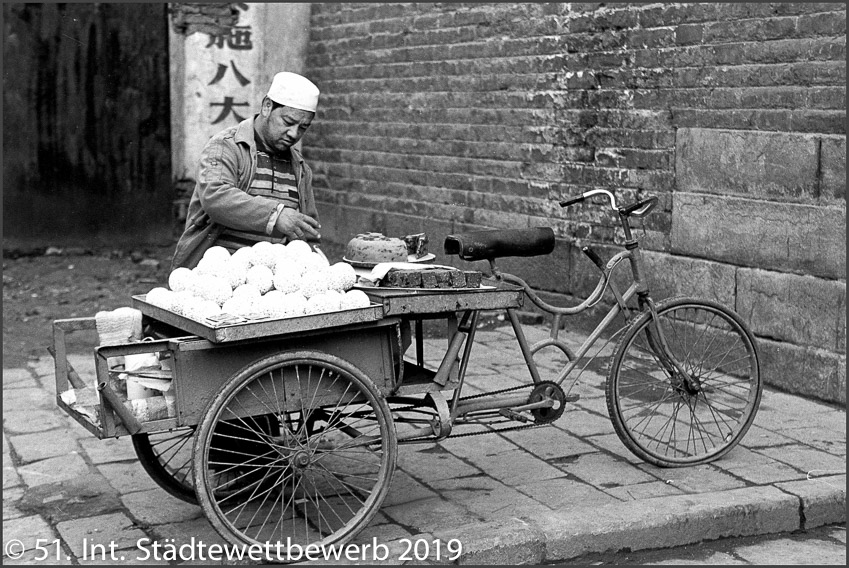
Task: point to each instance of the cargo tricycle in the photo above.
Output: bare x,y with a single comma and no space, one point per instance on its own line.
287,431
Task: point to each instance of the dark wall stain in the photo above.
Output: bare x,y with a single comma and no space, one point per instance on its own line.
86,136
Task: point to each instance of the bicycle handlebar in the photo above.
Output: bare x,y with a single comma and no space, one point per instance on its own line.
571,201
638,209
577,199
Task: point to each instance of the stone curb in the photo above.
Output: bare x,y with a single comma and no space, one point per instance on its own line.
661,522
657,523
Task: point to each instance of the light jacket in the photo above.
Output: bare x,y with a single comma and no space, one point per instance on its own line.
220,199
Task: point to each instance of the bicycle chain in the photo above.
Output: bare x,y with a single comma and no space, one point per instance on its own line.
470,397
511,389
497,430
492,430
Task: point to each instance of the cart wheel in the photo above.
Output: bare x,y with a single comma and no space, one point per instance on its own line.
298,448
669,419
167,458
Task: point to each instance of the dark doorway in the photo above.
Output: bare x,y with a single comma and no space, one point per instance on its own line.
86,124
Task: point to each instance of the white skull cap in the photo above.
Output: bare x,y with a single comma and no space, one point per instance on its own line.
293,90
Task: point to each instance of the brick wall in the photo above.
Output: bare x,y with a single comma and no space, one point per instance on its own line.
446,117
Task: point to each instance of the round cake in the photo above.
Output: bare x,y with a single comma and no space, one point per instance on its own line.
372,248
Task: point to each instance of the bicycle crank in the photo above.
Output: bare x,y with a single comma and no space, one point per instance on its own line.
546,404
555,401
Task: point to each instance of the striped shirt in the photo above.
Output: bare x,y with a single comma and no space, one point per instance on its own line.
274,179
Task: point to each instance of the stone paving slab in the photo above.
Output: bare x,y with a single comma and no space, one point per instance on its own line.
526,496
793,552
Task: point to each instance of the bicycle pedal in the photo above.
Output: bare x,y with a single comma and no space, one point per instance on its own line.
513,415
572,398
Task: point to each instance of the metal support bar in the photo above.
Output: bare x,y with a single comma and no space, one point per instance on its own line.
523,344
494,403
419,343
111,398
450,358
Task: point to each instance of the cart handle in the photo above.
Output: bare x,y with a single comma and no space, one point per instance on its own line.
73,377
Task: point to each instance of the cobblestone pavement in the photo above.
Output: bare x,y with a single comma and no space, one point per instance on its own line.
528,496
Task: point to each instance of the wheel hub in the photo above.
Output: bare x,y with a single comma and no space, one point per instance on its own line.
686,384
301,459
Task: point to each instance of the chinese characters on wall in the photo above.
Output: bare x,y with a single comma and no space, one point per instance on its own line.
235,99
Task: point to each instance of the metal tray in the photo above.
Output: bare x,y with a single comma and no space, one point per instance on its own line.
423,290
222,333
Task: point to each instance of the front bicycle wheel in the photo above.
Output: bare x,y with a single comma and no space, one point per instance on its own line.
673,419
298,448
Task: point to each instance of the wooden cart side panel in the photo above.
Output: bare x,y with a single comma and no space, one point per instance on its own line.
202,368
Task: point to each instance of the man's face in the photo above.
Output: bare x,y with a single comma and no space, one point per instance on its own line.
283,126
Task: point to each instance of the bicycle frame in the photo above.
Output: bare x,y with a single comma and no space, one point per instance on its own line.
510,405
619,307
638,288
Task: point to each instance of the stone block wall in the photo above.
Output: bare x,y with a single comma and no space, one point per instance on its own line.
759,204
444,117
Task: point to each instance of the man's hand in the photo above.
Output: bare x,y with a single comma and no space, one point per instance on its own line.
297,226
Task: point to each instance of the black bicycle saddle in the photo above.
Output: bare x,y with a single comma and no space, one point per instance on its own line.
496,243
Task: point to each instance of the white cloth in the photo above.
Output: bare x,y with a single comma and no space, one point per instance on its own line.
123,325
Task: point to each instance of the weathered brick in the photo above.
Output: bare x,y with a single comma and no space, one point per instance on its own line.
801,370
833,168
826,23
755,164
776,236
821,121
689,33
669,275
837,392
826,98
675,14
799,309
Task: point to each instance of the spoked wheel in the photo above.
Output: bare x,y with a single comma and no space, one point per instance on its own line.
692,407
167,458
298,448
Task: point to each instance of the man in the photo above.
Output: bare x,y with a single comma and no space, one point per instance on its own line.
252,183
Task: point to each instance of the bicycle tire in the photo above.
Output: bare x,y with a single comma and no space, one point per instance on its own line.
167,459
713,344
314,481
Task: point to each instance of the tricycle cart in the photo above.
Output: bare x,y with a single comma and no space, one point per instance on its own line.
287,431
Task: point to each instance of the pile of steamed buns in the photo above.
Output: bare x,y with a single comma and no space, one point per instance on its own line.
263,280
